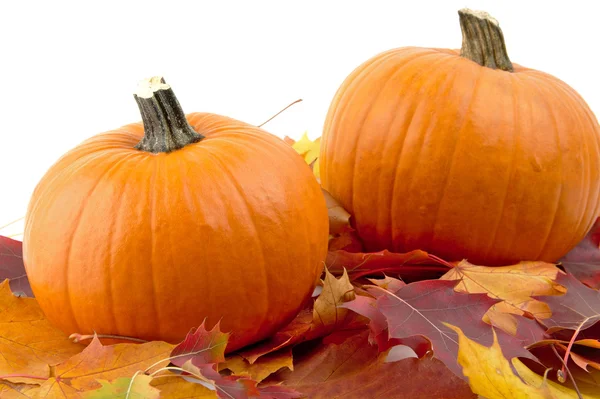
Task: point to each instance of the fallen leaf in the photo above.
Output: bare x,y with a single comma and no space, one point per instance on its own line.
201,347
514,285
261,368
579,308
28,342
491,376
339,218
125,388
98,362
424,308
327,314
226,386
310,151
175,387
9,390
354,369
411,265
583,261
12,267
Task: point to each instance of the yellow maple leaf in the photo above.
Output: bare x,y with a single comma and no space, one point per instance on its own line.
310,151
491,376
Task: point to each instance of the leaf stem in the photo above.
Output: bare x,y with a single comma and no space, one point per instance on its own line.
33,377
277,114
568,371
573,338
76,337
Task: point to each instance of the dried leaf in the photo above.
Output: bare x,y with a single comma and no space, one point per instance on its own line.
514,285
354,369
178,388
583,261
98,362
231,387
12,267
490,374
125,388
261,368
327,314
339,218
411,265
310,151
201,347
424,308
28,342
578,308
9,390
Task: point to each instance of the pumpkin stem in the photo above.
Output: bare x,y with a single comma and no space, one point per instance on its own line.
483,41
165,127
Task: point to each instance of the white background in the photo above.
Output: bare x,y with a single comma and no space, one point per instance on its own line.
68,69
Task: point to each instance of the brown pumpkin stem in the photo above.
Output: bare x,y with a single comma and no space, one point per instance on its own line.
165,127
483,41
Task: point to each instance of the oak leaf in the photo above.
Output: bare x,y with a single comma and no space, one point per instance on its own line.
201,347
28,342
12,267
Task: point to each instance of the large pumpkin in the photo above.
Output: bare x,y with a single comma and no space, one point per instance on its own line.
462,153
218,220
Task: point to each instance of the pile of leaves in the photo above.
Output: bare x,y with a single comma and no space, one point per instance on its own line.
380,325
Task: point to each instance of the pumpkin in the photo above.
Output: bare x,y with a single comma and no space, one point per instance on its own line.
147,230
462,153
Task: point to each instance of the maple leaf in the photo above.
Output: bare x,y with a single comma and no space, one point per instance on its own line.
28,342
583,261
577,309
423,308
9,390
346,366
175,387
12,267
125,388
310,151
414,264
201,347
490,374
261,368
96,362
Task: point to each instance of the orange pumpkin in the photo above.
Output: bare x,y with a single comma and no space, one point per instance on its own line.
462,153
207,217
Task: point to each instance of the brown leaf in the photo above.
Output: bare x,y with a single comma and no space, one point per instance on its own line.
354,369
28,342
339,218
261,368
12,267
327,314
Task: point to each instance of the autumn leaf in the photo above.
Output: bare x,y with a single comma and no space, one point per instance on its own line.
341,366
310,151
578,309
9,390
326,311
261,368
339,218
424,308
28,342
490,374
175,387
201,347
583,261
125,388
410,265
12,267
96,362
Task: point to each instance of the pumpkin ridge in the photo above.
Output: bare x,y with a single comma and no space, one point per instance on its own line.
460,135
367,113
362,75
516,135
153,239
74,229
414,107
